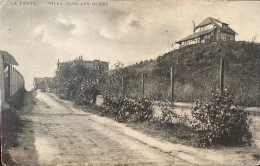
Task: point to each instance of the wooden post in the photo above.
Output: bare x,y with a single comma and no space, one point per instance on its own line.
122,84
143,84
16,80
13,80
2,80
9,81
109,84
222,76
258,84
172,86
2,99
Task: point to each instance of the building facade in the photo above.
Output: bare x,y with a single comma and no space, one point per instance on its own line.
45,83
97,65
209,30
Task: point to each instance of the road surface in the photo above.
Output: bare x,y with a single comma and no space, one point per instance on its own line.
56,133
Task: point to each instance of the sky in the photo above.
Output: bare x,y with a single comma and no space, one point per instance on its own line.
116,30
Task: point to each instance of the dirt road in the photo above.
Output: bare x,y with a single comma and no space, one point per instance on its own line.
56,133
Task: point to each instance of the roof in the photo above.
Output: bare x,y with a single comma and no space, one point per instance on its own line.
228,30
215,22
194,35
208,21
8,59
38,80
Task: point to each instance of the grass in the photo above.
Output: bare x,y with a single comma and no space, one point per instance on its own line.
11,125
175,133
196,73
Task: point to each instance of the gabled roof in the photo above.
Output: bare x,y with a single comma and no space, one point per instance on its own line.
37,80
208,21
228,29
215,22
195,35
8,59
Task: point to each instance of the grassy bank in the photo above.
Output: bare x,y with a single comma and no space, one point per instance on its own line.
196,73
11,125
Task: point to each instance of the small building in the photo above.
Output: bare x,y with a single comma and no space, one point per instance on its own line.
209,30
45,83
96,65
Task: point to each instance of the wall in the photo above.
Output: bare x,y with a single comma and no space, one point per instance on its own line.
221,36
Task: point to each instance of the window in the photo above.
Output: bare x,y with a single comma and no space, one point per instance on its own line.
224,26
226,38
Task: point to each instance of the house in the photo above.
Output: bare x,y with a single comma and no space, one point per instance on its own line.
44,83
209,30
96,65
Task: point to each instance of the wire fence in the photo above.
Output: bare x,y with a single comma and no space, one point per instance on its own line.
173,85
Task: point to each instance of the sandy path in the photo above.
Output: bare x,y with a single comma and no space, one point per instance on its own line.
59,134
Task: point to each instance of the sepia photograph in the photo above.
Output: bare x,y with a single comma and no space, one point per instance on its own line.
129,82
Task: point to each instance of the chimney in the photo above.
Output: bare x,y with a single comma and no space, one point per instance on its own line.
58,65
193,26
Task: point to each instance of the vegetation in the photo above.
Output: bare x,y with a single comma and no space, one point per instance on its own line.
217,123
213,122
196,73
11,124
76,82
125,109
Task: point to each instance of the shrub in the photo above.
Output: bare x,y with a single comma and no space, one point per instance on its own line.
77,82
218,123
17,99
125,109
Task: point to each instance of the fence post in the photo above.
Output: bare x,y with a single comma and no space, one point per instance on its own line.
16,80
13,76
172,86
9,81
258,84
122,84
143,84
2,81
222,76
109,85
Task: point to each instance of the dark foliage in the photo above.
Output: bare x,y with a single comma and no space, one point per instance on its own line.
77,82
218,123
124,109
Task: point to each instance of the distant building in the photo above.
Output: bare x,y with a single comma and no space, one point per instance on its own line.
45,83
97,65
100,68
209,30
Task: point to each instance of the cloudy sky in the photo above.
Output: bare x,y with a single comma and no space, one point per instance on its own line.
128,31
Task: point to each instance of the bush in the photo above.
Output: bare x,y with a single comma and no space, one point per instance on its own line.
17,99
125,109
77,82
218,123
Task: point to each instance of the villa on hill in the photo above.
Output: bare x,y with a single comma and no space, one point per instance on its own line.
209,30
